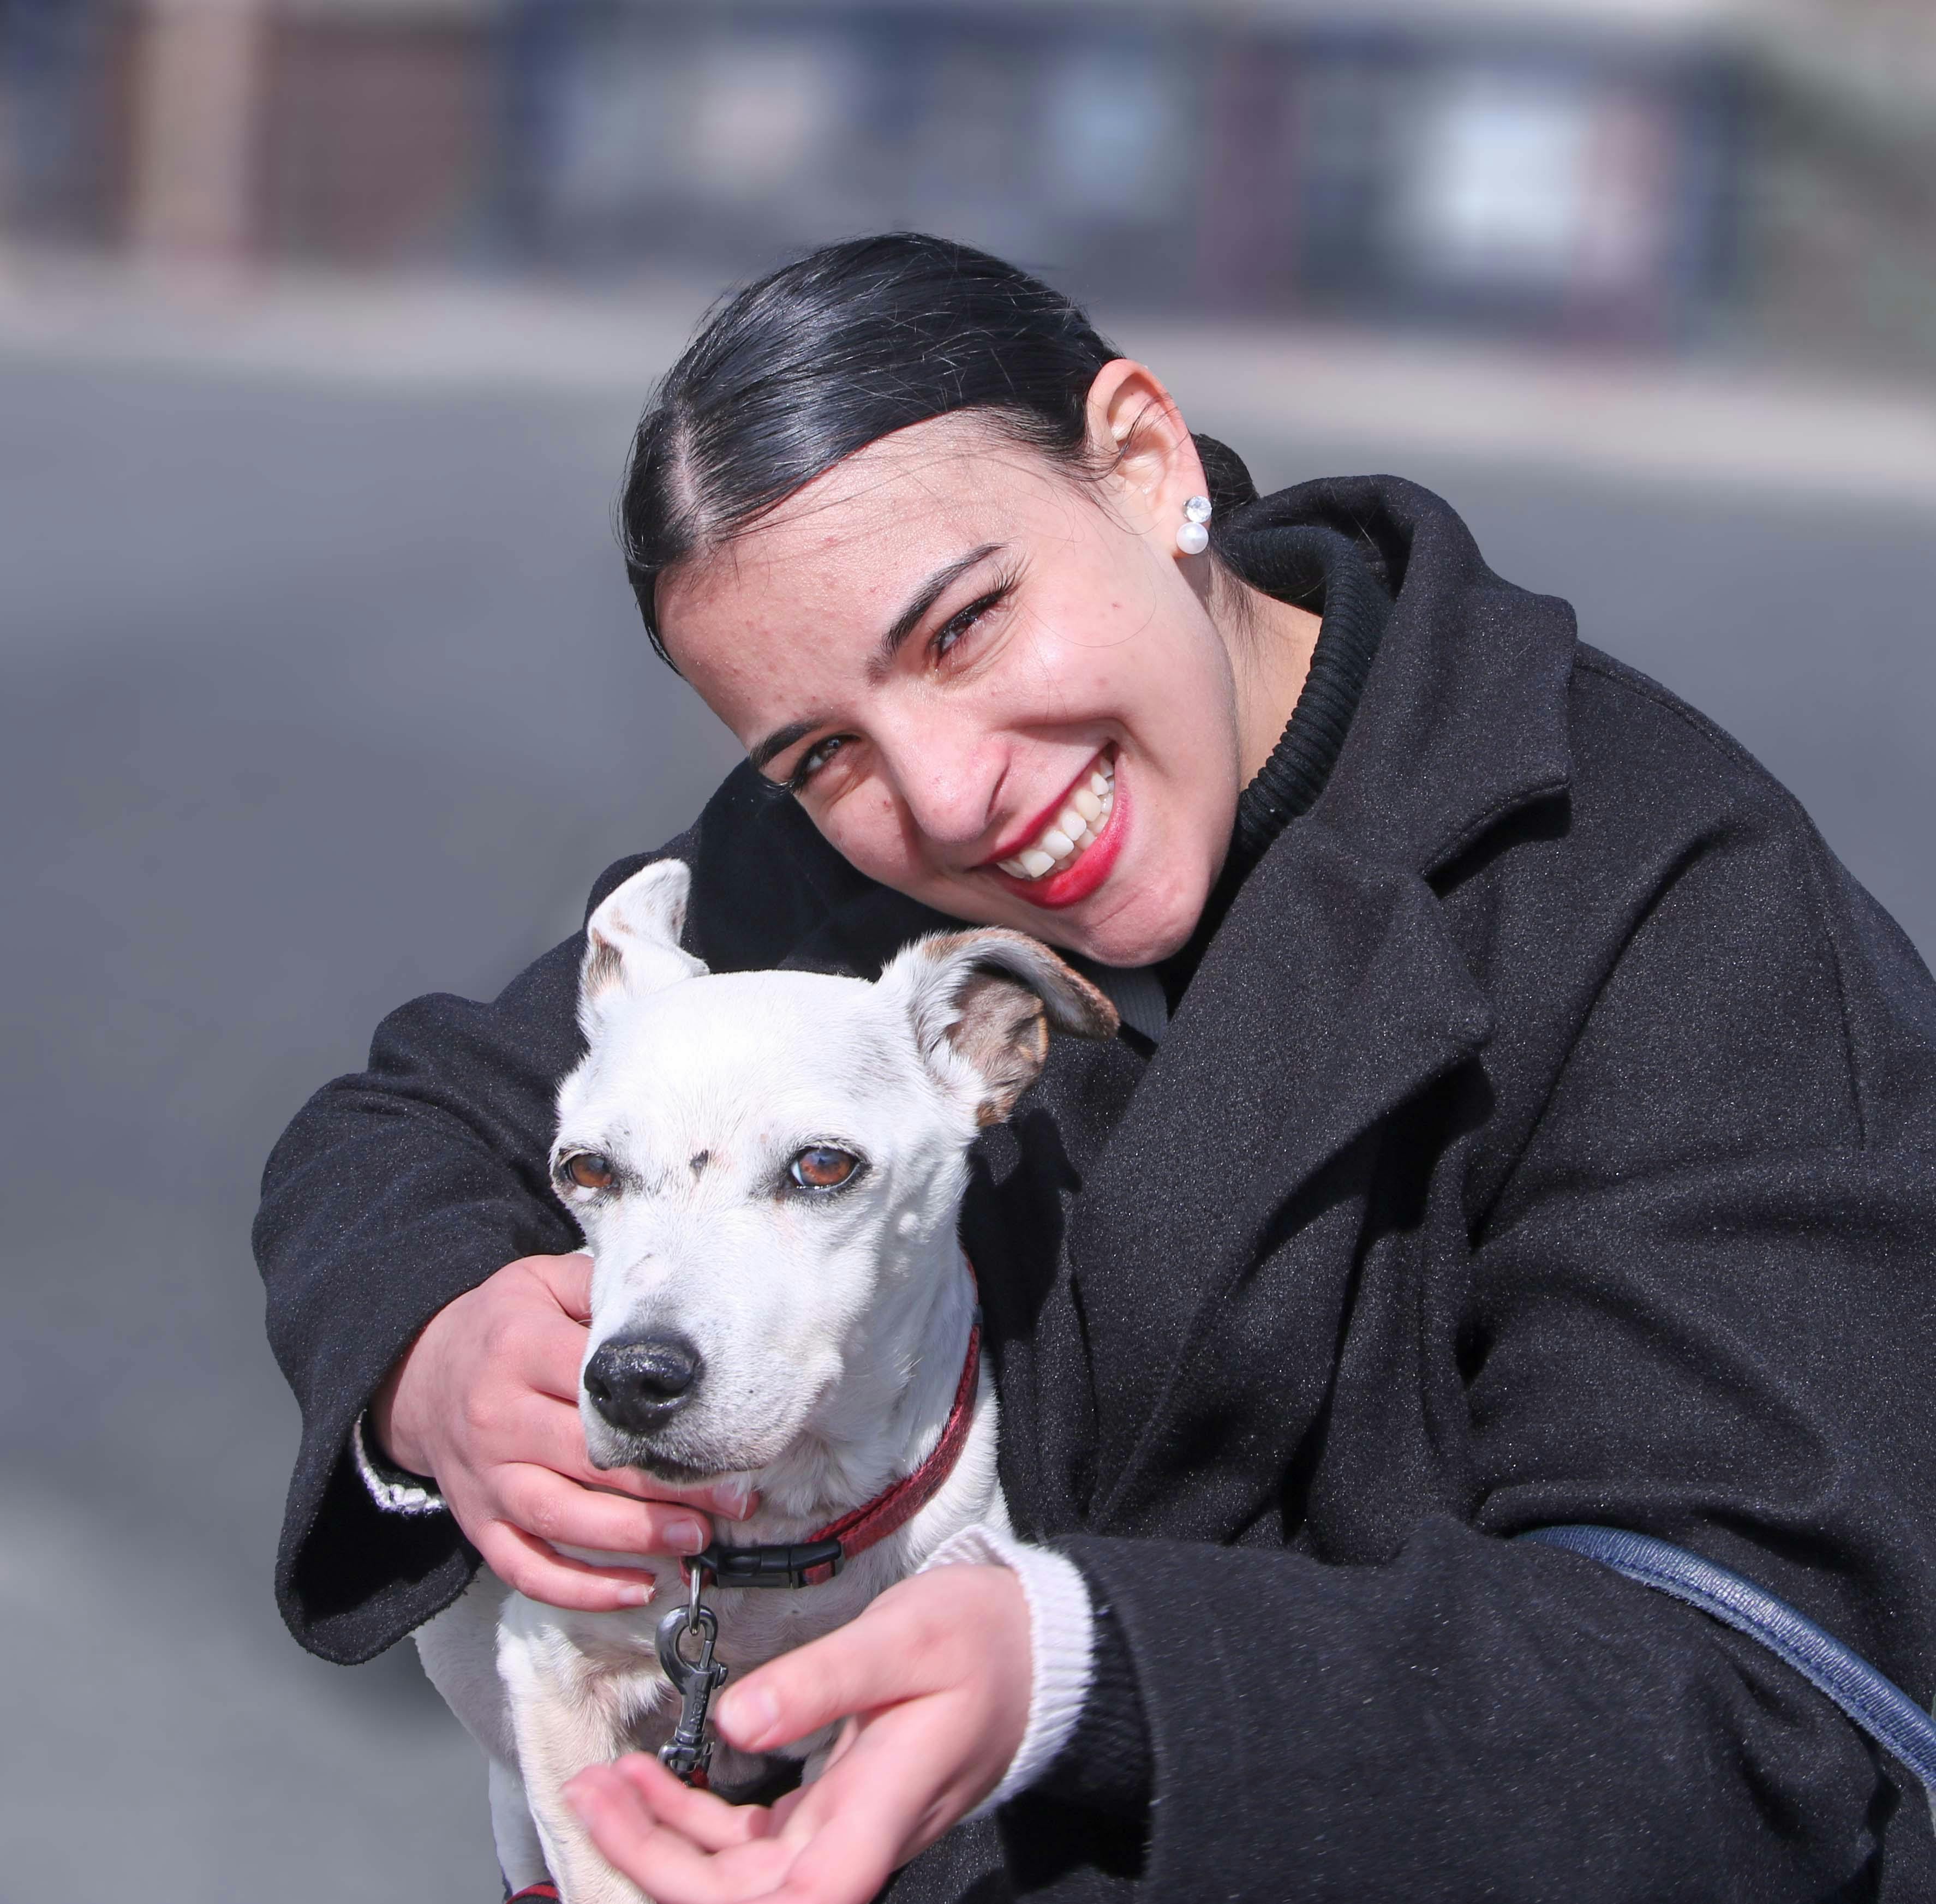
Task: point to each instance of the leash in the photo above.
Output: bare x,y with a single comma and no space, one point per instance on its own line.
1875,1704
688,1752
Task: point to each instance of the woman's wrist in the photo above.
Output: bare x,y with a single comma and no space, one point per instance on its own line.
386,1429
395,1489
1106,1763
1060,1645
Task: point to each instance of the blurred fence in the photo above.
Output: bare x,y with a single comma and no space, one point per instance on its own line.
1638,169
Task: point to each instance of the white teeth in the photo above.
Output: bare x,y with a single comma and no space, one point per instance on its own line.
1073,830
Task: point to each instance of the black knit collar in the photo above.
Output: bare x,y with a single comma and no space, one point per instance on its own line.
1322,570
1317,568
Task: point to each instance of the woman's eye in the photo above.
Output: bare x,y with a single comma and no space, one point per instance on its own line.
589,1171
822,1167
951,631
816,757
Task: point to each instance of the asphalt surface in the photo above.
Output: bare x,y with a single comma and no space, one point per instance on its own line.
318,696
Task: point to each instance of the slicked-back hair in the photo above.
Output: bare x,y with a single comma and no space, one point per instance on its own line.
793,373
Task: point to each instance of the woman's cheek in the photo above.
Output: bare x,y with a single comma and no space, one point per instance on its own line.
865,826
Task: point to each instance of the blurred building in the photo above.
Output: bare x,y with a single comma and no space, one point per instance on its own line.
1638,168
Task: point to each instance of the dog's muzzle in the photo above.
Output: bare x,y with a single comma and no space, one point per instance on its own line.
639,1383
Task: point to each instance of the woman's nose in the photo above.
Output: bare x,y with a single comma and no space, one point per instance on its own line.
947,781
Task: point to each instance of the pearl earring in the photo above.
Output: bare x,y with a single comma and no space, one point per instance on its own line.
1191,535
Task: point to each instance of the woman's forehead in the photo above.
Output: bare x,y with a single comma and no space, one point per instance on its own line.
852,544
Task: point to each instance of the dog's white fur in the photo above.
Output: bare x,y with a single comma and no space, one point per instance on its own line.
832,1326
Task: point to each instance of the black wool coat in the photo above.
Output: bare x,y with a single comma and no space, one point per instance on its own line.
1547,1134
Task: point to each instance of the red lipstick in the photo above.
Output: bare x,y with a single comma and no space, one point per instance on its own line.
1058,890
1023,835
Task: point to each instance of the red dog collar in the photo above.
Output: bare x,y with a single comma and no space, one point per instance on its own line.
808,1563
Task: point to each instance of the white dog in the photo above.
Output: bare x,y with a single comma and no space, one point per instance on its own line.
767,1167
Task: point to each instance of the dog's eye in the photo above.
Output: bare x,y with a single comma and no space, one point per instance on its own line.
589,1171
821,1167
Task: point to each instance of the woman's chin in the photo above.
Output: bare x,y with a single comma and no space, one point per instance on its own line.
1130,948
1132,918
1130,927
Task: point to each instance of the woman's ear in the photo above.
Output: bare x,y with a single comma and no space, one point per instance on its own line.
1136,431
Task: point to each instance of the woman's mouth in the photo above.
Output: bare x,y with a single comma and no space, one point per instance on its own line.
1071,852
1076,826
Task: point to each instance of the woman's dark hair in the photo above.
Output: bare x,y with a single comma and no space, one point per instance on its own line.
843,347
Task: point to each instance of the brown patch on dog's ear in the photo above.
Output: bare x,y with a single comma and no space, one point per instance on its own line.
993,997
1003,1032
632,940
604,965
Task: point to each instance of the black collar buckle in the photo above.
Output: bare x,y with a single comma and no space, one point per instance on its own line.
773,1566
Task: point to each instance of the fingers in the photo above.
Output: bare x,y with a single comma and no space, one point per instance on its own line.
541,1573
938,1667
906,1775
547,1351
665,1863
563,1514
903,1784
620,1824
896,1650
732,1499
836,1845
541,1349
708,1821
568,1279
550,1434
525,1426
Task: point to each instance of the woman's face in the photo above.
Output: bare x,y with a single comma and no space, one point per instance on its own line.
995,687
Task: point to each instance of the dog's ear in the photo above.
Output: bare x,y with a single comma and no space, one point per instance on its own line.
632,942
982,1004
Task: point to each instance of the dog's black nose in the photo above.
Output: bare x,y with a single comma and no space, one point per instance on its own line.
639,1383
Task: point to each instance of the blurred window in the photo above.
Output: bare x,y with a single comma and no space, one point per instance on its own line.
1540,182
730,118
56,64
620,135
1498,182
767,110
1115,133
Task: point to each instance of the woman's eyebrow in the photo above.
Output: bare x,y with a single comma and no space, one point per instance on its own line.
924,597
778,741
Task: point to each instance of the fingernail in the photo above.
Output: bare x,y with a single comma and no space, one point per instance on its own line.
635,1596
735,1499
685,1537
751,1712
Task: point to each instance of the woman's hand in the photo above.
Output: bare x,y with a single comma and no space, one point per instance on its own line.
934,1679
486,1400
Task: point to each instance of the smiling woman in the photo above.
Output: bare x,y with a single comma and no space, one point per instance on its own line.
954,623
1518,1118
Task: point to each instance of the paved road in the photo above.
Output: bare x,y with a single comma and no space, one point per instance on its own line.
318,696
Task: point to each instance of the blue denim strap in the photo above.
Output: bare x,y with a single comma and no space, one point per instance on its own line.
1881,1707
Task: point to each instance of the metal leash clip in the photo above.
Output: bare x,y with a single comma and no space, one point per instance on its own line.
689,1753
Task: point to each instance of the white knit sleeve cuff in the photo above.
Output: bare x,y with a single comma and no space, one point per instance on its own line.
390,1487
1061,1646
